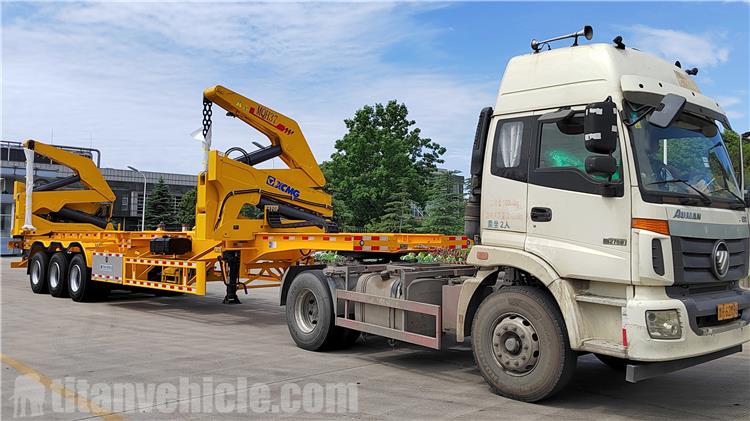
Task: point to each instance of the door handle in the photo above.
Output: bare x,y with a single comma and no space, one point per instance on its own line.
541,214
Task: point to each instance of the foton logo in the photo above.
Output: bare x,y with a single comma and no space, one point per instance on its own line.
683,214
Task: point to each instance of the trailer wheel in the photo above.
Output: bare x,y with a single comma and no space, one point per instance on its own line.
38,265
80,286
57,274
309,312
520,344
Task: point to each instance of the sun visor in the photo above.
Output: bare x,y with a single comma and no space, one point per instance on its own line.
648,91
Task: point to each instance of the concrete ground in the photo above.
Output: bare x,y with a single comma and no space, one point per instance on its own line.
138,339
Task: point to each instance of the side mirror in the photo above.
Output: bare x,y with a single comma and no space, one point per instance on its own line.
747,199
601,165
600,127
666,112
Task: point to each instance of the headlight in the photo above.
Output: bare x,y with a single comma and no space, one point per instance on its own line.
663,324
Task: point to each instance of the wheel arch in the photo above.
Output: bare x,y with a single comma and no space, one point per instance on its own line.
291,273
71,249
541,273
35,248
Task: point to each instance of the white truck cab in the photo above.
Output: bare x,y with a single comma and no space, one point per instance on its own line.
606,219
644,262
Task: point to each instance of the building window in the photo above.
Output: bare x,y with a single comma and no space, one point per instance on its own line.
6,217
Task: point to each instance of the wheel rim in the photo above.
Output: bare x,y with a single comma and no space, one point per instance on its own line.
306,311
54,275
515,344
36,272
75,278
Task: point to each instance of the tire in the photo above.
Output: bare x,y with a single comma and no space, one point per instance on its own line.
57,273
38,265
617,364
309,312
520,325
79,283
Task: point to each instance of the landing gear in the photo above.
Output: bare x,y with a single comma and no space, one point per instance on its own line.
232,259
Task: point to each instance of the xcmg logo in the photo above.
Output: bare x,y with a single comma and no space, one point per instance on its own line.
279,185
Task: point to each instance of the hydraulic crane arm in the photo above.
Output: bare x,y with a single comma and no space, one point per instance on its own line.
287,140
83,167
60,210
290,198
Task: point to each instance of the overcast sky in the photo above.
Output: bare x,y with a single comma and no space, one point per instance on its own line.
128,78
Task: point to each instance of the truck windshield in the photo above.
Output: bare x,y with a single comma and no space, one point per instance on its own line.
685,160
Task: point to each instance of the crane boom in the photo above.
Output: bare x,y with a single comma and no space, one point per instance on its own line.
281,130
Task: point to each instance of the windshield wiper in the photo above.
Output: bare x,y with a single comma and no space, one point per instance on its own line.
707,200
739,199
725,174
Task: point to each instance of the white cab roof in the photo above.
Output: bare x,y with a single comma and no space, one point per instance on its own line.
570,76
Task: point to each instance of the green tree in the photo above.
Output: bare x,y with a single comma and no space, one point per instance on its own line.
250,212
397,213
444,212
382,159
186,208
732,140
160,207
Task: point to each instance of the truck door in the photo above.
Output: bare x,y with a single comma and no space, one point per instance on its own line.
571,224
504,188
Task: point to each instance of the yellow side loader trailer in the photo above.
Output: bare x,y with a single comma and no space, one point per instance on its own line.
71,249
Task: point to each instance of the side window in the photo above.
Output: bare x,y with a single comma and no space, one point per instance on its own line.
509,144
561,147
561,158
510,148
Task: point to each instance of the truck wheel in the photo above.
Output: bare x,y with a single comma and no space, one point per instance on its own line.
57,274
309,312
38,265
617,364
80,286
520,344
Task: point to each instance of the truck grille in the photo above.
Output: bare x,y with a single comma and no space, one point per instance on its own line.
692,260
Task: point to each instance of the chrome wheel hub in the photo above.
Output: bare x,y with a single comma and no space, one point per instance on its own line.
54,275
36,272
75,278
515,344
306,311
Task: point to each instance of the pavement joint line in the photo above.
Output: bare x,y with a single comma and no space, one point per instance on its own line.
61,390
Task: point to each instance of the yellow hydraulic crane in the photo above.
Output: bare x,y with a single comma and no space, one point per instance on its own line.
88,208
71,225
292,194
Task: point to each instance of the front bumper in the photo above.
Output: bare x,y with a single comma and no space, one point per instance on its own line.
693,343
636,372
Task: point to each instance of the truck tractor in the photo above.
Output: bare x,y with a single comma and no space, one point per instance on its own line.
606,218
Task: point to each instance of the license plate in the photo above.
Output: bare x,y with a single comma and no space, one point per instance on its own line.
727,311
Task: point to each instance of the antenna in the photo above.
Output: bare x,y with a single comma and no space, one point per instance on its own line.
587,32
